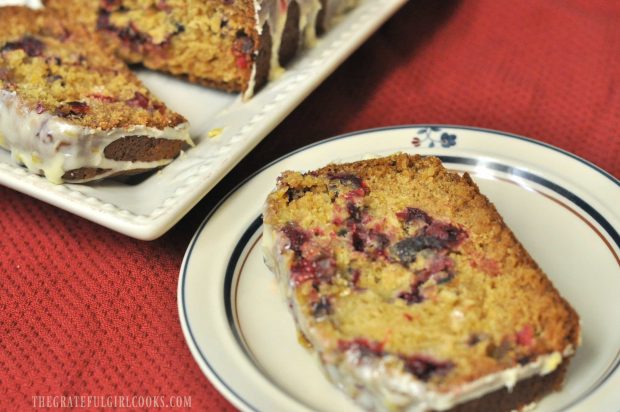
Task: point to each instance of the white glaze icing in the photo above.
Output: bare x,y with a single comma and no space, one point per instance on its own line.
375,383
275,12
249,91
335,9
50,145
309,10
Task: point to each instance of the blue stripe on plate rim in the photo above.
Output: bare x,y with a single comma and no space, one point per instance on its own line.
255,225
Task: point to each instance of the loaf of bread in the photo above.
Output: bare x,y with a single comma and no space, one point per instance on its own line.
70,109
411,289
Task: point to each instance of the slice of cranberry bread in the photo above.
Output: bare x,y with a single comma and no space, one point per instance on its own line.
411,289
71,110
233,45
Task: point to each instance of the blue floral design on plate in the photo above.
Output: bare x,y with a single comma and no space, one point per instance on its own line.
428,136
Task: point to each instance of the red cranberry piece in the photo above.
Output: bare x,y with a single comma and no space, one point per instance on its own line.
103,98
320,269
441,263
242,61
161,108
412,214
163,6
407,249
358,239
296,236
441,269
301,274
30,45
325,267
103,20
414,296
489,266
347,179
243,44
131,35
72,109
355,278
451,235
363,346
359,192
111,5
425,367
4,73
355,212
40,108
525,336
138,100
380,241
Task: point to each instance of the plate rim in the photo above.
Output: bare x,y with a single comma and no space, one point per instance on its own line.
222,386
586,162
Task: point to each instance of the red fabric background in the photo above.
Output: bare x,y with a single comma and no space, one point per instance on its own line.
84,310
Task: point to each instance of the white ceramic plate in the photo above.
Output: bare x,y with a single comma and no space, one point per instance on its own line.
564,210
148,209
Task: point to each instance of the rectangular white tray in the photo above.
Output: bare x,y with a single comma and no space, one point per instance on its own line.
148,209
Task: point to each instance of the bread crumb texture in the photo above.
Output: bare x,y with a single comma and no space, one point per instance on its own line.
213,43
398,256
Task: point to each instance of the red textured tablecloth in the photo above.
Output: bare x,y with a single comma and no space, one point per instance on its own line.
86,311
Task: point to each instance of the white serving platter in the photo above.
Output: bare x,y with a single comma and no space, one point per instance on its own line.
147,209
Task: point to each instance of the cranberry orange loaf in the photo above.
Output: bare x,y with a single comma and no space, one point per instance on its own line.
234,45
71,110
413,292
